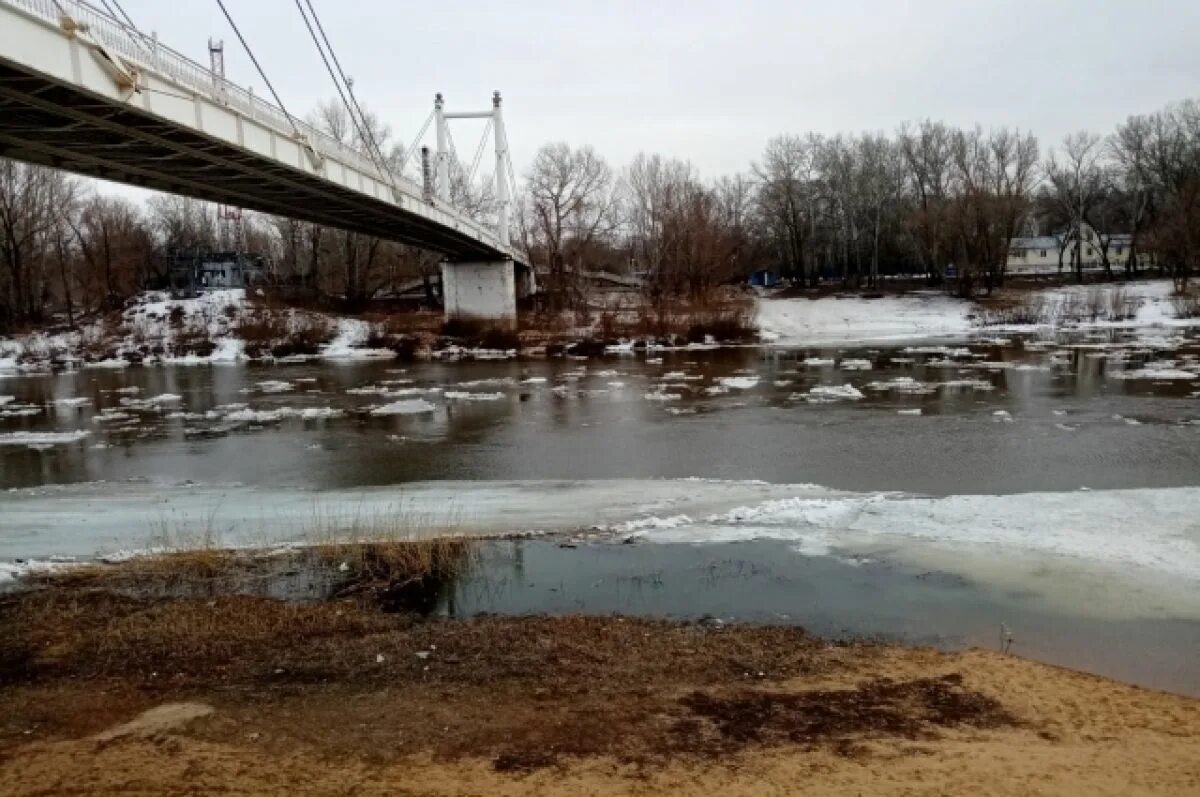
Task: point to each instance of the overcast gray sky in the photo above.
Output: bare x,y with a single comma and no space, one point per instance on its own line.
712,81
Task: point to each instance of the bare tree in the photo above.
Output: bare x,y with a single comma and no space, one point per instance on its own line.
928,153
571,206
1077,182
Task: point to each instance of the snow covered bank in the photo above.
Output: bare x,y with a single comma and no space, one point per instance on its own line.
217,327
841,320
834,320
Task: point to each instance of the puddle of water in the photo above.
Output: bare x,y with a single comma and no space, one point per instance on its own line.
756,582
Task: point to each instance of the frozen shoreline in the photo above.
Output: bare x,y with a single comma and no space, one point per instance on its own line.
922,315
1075,545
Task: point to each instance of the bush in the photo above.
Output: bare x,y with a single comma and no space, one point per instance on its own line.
305,337
260,331
480,333
732,325
1186,306
499,338
406,348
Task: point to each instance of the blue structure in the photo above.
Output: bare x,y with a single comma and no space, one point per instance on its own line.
763,278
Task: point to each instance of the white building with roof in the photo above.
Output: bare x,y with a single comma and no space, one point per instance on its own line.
1045,254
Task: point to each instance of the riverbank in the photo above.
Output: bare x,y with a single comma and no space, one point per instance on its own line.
230,326
253,695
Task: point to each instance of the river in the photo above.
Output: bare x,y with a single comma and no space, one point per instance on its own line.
928,491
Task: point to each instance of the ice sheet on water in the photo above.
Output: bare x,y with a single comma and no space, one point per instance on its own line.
463,395
825,394
405,407
41,439
904,384
739,382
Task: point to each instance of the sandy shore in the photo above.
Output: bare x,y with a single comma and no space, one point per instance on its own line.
106,694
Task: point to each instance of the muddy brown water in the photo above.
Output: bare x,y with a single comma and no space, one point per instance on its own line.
1073,422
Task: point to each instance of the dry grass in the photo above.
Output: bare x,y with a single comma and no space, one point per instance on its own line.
283,333
481,333
1101,303
1186,305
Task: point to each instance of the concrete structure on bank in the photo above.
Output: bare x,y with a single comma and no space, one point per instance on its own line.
83,91
480,290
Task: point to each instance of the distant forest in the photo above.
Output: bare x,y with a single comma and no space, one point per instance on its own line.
814,208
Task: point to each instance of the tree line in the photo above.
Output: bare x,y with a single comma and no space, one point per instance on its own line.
929,199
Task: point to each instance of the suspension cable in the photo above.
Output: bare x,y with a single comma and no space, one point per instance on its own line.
261,73
349,85
415,144
479,150
362,137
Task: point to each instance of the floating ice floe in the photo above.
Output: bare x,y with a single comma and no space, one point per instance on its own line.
853,364
76,401
818,362
42,439
967,384
20,411
111,415
913,411
152,403
1156,373
738,382
320,413
824,394
7,400
112,362
904,384
274,386
462,395
405,407
661,396
534,380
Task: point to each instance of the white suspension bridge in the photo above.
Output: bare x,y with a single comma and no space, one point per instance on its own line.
84,90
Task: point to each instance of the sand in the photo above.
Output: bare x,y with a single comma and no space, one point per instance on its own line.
1079,735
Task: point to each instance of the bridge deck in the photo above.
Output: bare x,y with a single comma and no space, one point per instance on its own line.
61,106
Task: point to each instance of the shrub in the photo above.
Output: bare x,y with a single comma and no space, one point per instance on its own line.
729,325
1186,306
306,335
260,331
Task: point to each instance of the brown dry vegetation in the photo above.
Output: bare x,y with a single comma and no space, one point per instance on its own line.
321,698
333,697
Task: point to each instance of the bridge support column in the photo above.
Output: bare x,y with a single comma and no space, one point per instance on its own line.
484,290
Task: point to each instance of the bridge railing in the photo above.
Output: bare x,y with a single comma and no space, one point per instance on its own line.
132,44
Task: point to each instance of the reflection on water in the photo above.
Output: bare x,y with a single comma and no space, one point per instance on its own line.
986,417
759,582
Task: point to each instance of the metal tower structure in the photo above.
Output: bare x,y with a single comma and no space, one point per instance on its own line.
444,154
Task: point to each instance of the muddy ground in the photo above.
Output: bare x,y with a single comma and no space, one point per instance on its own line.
249,695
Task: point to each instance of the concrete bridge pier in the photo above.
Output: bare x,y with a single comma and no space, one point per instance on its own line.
485,290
